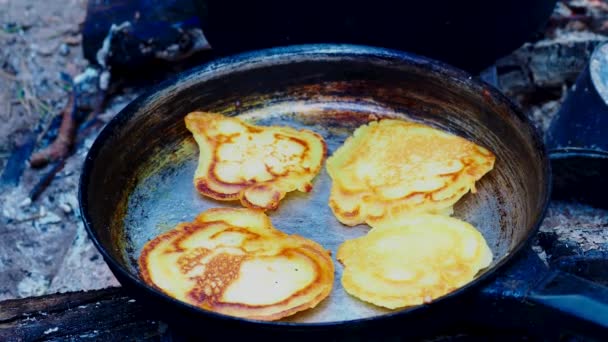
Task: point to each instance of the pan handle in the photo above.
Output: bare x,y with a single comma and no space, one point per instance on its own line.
577,304
542,301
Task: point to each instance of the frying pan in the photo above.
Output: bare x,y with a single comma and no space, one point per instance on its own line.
137,178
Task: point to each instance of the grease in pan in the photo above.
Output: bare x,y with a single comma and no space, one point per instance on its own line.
411,259
233,261
389,167
254,164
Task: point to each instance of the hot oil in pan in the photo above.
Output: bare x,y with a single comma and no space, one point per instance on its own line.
167,197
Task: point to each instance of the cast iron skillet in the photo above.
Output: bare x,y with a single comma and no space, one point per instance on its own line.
137,177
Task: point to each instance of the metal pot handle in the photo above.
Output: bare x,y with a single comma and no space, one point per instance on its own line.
539,300
580,304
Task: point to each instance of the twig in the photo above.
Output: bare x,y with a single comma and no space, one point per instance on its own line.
31,97
27,219
68,135
60,148
16,161
46,179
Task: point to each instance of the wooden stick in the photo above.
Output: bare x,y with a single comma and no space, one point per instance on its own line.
60,148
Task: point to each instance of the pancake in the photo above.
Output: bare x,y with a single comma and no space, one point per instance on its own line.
254,164
412,259
389,167
233,261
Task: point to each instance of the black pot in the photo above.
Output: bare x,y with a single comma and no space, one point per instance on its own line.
578,136
468,34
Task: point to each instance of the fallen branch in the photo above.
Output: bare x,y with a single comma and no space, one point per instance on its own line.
46,179
60,148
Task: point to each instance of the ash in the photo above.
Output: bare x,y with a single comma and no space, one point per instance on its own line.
43,245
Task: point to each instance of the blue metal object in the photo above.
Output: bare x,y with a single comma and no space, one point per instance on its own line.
547,301
578,137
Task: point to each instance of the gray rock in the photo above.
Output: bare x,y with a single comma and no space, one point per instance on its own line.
64,49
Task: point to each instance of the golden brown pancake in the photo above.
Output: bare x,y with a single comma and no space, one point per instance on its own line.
389,167
412,259
233,261
254,164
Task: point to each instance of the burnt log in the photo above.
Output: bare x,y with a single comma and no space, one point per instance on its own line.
137,36
101,315
548,63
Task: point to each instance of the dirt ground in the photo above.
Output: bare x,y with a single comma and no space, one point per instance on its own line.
43,245
40,39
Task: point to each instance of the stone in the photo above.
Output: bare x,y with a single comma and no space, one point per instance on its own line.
45,48
64,49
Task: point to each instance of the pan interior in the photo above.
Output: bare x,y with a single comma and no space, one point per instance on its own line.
164,195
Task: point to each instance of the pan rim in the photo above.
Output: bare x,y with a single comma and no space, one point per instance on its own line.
288,54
